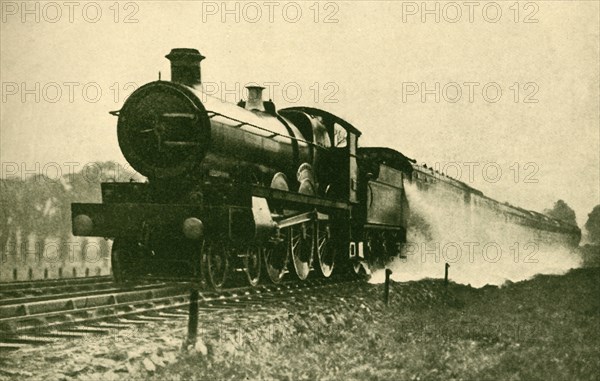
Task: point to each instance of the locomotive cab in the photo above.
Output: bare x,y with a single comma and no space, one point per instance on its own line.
334,150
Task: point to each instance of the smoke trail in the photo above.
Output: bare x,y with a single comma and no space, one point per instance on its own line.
480,246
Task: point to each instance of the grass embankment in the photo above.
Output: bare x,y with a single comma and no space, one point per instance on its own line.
545,328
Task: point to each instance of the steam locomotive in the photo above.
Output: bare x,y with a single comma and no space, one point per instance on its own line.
248,189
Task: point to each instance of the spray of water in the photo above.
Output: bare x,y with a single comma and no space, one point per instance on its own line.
480,245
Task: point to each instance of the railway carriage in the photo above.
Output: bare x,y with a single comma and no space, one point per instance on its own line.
542,228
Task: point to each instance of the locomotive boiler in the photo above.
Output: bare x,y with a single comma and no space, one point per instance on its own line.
169,129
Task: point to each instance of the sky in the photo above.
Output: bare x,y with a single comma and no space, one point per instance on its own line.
502,95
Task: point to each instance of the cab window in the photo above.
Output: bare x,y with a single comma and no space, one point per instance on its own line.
340,136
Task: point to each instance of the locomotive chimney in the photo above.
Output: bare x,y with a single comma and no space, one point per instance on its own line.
255,101
185,66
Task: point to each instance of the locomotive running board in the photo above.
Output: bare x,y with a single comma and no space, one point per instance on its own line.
291,199
301,218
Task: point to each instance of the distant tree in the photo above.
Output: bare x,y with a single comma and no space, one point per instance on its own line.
593,225
7,213
42,206
562,211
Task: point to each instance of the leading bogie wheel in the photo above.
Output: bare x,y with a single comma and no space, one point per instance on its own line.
252,264
217,263
122,257
276,259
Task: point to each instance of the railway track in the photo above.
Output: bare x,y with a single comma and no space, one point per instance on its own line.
54,286
39,320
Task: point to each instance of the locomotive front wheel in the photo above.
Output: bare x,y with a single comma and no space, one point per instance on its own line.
253,264
122,260
217,264
276,258
301,248
325,250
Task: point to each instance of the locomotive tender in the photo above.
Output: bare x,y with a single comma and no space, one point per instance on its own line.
248,188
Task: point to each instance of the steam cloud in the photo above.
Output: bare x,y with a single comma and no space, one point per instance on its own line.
480,246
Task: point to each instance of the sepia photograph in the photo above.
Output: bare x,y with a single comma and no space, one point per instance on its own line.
300,190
